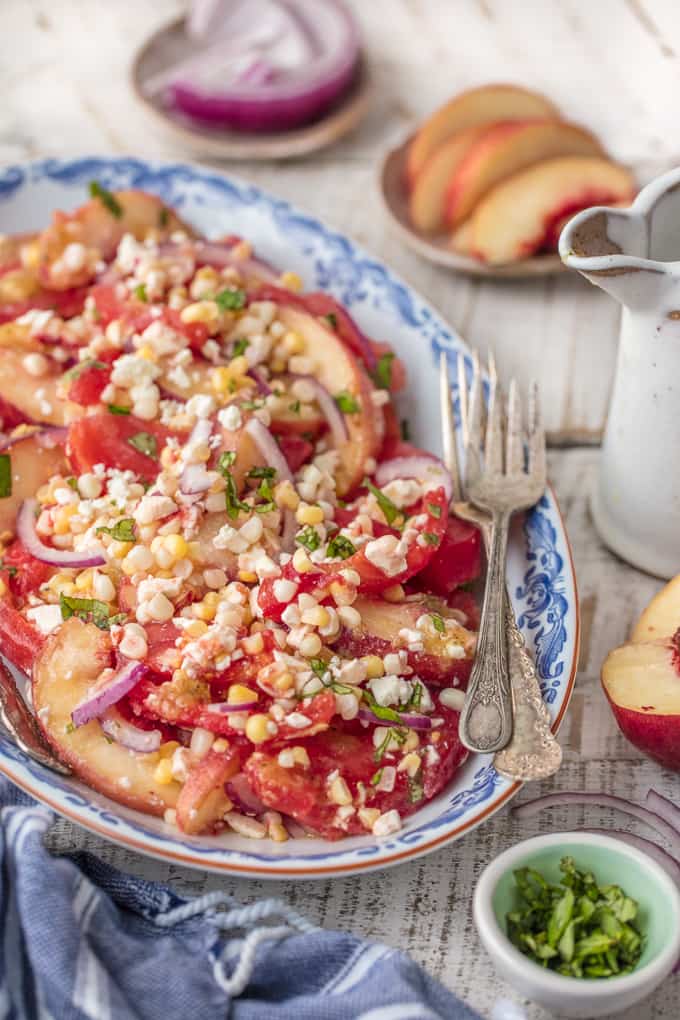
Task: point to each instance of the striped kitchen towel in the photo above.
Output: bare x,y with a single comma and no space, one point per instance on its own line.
82,941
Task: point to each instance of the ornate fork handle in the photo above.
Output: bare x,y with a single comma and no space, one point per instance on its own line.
486,719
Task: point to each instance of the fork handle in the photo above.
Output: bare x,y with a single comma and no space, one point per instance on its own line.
486,720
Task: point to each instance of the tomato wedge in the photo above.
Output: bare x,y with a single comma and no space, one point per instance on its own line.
20,641
106,439
456,561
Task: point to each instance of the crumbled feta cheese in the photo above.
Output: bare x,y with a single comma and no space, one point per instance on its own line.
387,823
46,618
230,418
390,690
386,554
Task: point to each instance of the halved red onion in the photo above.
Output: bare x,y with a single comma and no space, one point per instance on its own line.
195,479
664,808
413,720
262,384
127,734
429,471
311,47
107,692
225,708
668,862
48,554
532,807
329,409
269,449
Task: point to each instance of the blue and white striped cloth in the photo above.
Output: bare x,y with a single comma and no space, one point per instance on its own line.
82,941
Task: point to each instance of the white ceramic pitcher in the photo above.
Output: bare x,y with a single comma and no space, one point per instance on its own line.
634,254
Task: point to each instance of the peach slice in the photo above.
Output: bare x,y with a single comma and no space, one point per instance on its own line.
339,371
503,150
69,664
203,800
427,199
661,618
37,398
33,461
473,108
642,683
461,239
519,216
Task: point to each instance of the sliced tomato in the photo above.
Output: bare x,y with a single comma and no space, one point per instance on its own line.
319,711
296,450
89,384
10,416
396,372
456,561
317,581
20,641
22,572
203,801
65,304
161,639
105,439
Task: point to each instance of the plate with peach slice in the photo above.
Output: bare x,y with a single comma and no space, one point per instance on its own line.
641,679
487,181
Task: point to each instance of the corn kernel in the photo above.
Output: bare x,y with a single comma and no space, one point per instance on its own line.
177,546
220,379
285,496
167,749
316,617
282,682
239,365
201,311
257,728
194,550
410,764
374,666
62,518
163,772
292,343
339,791
302,562
3,588
203,611
83,581
239,694
368,816
412,741
394,594
291,281
211,599
196,628
277,365
147,353
119,549
310,645
309,514
301,756
247,576
220,745
30,255
253,644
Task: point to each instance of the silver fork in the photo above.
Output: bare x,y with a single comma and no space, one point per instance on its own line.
19,724
532,752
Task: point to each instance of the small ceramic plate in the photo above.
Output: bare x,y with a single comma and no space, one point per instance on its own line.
220,143
540,569
438,248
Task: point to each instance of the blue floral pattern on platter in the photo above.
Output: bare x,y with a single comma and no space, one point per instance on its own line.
540,567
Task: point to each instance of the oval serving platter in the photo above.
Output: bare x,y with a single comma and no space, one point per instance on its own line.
540,568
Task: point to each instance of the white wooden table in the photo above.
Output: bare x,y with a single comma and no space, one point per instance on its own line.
613,65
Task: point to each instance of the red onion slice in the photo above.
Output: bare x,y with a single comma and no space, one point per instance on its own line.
127,734
260,381
413,720
48,437
194,479
532,807
664,808
225,708
669,863
429,471
47,554
269,449
329,409
215,253
107,692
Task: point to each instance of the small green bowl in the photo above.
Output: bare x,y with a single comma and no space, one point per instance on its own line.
612,862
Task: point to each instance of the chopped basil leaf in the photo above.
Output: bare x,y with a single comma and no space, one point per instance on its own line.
228,300
118,618
383,371
118,409
416,791
122,531
262,472
381,711
416,697
331,319
5,475
392,513
107,199
252,405
340,547
319,666
163,217
240,347
430,538
146,443
405,430
438,623
232,502
72,483
70,727
12,571
85,609
398,736
140,292
376,777
347,403
294,407
225,461
435,510
309,538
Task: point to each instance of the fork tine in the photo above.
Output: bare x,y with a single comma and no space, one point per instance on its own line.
537,465
462,397
514,456
449,445
475,417
493,447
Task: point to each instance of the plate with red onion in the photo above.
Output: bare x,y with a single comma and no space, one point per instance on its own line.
319,285
257,79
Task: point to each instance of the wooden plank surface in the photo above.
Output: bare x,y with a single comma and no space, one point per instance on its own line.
612,65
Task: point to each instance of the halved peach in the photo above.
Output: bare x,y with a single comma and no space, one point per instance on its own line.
339,371
70,663
427,200
642,683
472,108
461,239
661,618
36,398
378,634
203,800
33,461
503,150
519,216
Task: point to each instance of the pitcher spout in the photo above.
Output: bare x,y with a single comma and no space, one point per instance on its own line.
610,248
